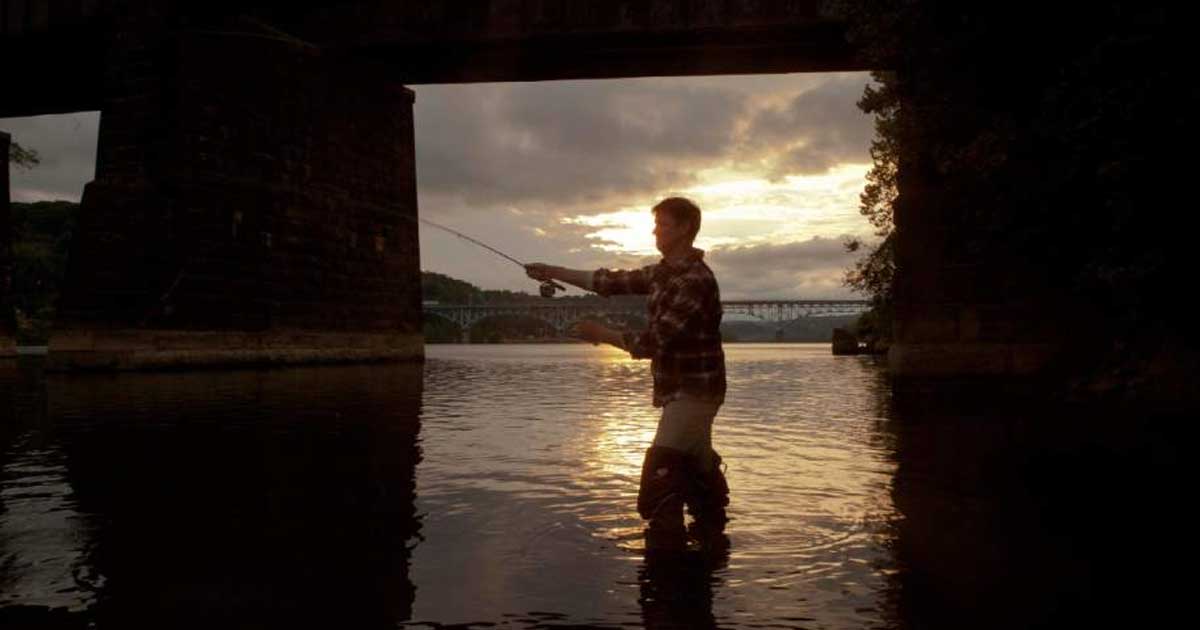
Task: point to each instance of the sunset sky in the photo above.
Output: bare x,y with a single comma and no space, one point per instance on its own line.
566,172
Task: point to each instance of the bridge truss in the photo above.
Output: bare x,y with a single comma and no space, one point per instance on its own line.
779,311
562,315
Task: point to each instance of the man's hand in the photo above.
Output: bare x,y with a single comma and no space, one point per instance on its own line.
598,333
540,271
543,273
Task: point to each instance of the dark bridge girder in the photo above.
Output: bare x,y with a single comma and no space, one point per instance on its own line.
64,47
530,40
807,49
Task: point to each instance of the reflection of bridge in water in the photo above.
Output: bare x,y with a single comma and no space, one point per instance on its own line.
562,315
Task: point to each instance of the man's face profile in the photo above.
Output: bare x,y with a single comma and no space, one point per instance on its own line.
668,232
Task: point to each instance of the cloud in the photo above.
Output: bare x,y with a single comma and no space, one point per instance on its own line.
815,131
811,269
568,142
562,152
66,145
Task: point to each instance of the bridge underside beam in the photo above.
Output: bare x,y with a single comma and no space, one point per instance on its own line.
811,48
254,202
52,73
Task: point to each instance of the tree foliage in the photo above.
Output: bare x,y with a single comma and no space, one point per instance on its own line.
41,238
21,157
873,274
446,290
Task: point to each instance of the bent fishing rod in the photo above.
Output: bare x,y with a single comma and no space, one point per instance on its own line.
546,288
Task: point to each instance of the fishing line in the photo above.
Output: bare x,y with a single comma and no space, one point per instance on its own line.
477,242
546,288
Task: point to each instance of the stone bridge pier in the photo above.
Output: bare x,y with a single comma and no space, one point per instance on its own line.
253,203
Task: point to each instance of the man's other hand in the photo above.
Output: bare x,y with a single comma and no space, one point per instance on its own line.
593,332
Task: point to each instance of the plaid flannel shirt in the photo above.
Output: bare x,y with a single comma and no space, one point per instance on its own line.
683,338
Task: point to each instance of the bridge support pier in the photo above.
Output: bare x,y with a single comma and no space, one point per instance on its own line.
963,320
254,202
8,330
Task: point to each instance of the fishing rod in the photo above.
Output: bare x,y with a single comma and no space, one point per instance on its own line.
546,288
163,306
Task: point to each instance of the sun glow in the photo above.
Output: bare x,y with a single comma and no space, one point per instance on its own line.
741,210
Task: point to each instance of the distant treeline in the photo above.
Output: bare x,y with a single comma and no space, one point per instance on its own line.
446,290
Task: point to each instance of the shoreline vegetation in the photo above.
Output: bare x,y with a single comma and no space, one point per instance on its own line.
41,236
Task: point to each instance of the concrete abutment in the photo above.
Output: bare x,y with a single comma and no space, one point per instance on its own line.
254,203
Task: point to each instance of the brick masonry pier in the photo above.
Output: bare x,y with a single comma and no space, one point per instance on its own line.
254,203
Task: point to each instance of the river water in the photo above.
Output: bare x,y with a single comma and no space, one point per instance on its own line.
494,486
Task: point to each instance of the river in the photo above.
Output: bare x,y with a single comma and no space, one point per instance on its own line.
494,486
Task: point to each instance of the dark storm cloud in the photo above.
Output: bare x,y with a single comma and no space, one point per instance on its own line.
811,269
815,131
66,145
568,142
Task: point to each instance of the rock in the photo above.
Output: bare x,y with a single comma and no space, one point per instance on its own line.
844,342
877,346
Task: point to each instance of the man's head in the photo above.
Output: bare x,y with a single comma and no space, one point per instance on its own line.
676,223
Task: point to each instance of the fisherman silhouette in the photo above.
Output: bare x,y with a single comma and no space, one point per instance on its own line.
683,341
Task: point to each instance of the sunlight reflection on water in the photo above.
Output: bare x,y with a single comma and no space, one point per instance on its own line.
494,483
808,471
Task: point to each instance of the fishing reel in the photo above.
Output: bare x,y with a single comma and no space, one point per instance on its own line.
548,287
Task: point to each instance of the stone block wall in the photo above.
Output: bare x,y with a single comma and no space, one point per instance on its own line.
302,170
255,201
961,317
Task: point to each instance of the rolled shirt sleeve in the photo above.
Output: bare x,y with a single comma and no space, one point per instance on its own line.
607,282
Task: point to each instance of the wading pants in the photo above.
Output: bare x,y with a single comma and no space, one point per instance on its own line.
681,468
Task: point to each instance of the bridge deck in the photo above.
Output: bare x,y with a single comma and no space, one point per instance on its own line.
62,42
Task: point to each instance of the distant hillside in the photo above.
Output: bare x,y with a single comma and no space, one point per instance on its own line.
447,290
437,287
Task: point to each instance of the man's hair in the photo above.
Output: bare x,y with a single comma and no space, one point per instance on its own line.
682,210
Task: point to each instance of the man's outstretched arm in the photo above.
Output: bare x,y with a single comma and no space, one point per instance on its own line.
578,277
603,281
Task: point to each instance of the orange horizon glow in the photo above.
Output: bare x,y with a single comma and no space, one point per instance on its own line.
744,210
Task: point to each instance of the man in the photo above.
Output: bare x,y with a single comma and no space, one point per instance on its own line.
683,342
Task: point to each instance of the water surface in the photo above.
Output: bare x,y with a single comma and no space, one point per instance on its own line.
495,485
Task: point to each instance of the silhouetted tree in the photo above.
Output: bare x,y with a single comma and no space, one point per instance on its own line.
21,157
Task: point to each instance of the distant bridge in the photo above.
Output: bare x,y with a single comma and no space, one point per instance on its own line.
562,315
